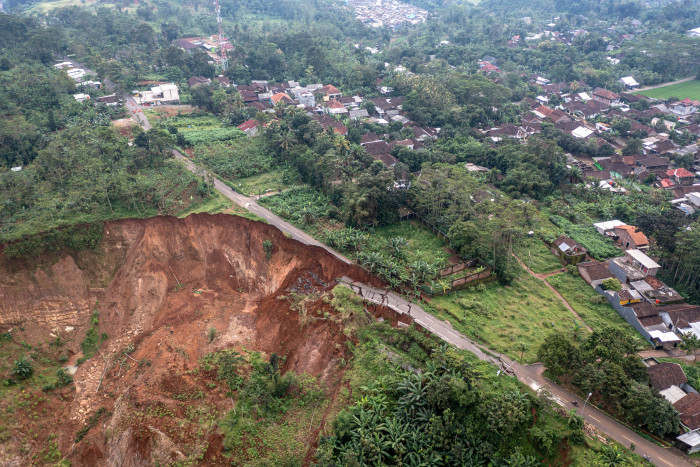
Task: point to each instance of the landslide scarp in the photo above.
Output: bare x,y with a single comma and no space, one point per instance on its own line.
158,296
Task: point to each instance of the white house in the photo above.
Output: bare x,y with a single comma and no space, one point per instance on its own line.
629,82
607,226
81,97
163,94
694,32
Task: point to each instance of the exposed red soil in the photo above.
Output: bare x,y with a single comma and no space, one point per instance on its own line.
159,285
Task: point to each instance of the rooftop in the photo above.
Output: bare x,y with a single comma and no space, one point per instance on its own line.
642,259
664,375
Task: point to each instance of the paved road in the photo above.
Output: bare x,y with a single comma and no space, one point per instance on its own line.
527,374
251,205
646,88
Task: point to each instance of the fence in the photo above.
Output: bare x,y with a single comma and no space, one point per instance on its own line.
469,281
453,268
412,215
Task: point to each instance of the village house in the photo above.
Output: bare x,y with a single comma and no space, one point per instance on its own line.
629,82
634,266
629,237
330,92
645,318
688,408
606,97
668,379
162,94
681,318
249,127
681,176
684,107
567,250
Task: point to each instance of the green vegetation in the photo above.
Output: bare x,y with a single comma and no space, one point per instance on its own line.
243,158
268,247
420,243
22,368
534,253
598,246
271,410
76,237
407,416
89,423
273,181
302,206
93,339
582,299
680,91
606,366
513,320
88,175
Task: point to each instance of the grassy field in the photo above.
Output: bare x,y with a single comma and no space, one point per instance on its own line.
423,245
513,320
689,89
215,204
578,294
534,253
262,183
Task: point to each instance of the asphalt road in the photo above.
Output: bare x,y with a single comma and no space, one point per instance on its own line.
528,374
531,375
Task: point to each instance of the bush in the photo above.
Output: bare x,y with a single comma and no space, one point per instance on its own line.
76,237
212,334
598,300
23,368
612,284
268,247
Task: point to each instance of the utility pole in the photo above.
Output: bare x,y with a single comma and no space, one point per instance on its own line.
584,404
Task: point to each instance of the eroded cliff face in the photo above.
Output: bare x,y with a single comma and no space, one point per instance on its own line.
158,286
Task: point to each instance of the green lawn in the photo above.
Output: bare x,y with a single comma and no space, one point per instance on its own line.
215,204
689,89
262,183
423,245
506,319
535,254
578,294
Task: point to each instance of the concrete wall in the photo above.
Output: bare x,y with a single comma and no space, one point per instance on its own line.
618,272
627,313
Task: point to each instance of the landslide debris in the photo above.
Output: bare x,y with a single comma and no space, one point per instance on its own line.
155,300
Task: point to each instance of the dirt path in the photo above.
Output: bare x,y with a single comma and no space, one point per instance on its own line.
646,88
543,277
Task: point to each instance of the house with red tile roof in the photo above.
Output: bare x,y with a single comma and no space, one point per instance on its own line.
331,92
681,176
281,97
606,97
628,236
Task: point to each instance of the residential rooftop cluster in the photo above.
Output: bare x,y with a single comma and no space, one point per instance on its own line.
607,121
327,106
209,44
390,13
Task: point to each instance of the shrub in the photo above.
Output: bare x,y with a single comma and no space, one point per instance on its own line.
23,368
268,247
612,284
598,300
212,334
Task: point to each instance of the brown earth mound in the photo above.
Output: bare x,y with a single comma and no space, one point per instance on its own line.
159,286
